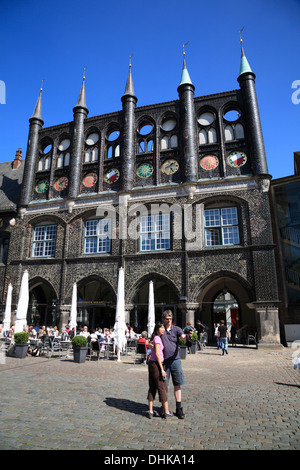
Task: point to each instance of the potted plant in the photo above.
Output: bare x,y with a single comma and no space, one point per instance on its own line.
21,344
80,348
182,349
194,339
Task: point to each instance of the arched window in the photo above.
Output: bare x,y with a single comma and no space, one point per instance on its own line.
164,143
229,135
174,141
41,164
212,135
203,137
239,131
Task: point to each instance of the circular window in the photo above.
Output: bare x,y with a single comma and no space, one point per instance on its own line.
64,144
232,115
47,149
206,118
113,135
145,129
92,139
169,125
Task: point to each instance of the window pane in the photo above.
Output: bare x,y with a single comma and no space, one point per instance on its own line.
39,233
147,242
163,241
37,249
50,232
49,248
90,245
212,237
229,216
231,236
91,228
103,244
212,217
147,224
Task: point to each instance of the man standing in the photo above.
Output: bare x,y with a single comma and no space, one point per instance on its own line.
172,361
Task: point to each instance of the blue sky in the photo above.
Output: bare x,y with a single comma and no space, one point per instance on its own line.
55,40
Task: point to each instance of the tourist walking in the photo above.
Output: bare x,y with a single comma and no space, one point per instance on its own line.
224,337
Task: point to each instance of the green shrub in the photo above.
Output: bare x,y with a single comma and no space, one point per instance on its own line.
194,336
79,341
21,337
181,342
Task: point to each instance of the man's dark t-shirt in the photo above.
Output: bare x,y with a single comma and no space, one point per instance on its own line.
223,331
170,341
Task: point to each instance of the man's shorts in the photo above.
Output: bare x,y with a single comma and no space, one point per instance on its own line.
174,368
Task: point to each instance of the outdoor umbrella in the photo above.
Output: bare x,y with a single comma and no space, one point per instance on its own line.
73,313
120,326
22,304
151,310
7,314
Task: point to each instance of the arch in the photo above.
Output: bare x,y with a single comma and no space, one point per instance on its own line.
96,302
225,281
41,219
166,295
132,292
42,303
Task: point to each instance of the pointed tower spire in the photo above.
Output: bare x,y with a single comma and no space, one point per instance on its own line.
244,65
82,98
129,90
185,77
37,113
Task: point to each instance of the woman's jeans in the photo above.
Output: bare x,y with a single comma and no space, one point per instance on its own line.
224,344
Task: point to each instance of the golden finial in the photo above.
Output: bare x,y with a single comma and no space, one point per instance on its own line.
41,89
240,33
130,59
184,47
84,73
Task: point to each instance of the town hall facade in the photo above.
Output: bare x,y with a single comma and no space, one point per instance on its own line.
176,193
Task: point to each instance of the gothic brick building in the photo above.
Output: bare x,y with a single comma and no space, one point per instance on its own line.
176,193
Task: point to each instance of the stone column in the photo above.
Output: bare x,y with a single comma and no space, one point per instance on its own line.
188,313
267,325
64,315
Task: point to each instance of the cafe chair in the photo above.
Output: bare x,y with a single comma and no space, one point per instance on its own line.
141,352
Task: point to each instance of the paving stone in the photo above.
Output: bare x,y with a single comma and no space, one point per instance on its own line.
250,400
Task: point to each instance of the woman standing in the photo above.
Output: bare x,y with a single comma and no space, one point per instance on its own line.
157,374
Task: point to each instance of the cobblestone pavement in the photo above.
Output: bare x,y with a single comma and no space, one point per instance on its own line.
249,399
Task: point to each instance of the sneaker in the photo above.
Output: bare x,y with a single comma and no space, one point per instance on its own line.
179,413
167,415
149,414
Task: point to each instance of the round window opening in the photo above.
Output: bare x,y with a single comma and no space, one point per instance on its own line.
145,129
205,119
113,136
169,124
47,149
232,115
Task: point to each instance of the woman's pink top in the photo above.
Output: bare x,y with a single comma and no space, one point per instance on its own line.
157,340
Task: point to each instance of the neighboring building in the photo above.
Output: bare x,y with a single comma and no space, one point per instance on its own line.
286,197
131,188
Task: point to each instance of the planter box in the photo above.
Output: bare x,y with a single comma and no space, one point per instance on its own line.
80,354
21,350
194,348
182,351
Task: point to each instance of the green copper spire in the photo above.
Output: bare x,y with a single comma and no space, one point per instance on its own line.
244,65
185,77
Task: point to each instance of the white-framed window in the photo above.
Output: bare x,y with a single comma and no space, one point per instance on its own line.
97,237
221,226
155,232
44,239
